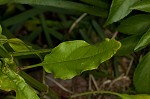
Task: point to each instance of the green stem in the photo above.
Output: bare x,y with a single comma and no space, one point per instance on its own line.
29,67
39,86
30,52
95,92
115,66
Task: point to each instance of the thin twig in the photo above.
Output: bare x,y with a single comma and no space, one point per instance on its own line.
58,84
43,76
95,92
29,67
90,87
76,22
94,82
130,65
122,76
115,34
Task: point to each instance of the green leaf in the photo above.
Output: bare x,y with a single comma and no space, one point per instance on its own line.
98,3
135,25
20,18
143,5
119,9
3,39
98,29
73,57
18,45
128,45
141,78
144,41
9,80
62,4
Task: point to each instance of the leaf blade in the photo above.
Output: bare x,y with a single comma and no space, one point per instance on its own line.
128,45
141,74
139,27
72,58
119,9
143,5
144,41
62,4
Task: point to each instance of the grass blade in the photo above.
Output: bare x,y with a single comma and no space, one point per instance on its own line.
22,17
62,4
45,28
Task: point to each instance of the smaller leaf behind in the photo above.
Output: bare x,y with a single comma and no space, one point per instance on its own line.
141,78
143,5
137,24
119,9
128,45
144,41
73,57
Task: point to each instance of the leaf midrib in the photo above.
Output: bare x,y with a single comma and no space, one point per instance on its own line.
114,50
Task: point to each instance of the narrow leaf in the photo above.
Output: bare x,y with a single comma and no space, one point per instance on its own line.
98,3
128,45
62,4
143,5
22,16
141,78
144,41
46,32
9,80
119,9
135,25
73,57
98,29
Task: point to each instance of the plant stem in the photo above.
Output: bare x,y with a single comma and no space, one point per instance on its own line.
95,92
39,86
29,67
30,52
